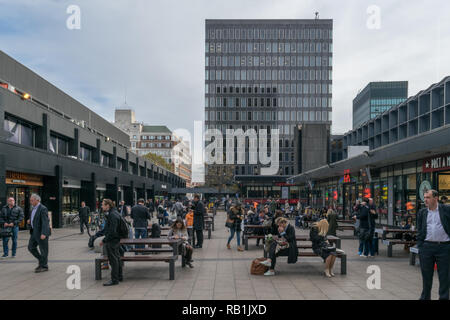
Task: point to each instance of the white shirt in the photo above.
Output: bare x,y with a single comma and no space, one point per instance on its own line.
435,230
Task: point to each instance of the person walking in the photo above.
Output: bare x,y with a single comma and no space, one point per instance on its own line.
189,222
40,232
199,221
111,241
10,217
433,241
140,216
236,216
83,213
364,229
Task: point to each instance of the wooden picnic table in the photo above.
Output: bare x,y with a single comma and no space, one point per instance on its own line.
390,242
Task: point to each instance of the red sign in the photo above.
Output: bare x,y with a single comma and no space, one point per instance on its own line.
347,178
367,193
437,163
335,195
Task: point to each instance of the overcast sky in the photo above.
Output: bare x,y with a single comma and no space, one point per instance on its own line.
155,49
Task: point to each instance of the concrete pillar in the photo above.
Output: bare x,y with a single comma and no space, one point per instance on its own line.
390,201
2,180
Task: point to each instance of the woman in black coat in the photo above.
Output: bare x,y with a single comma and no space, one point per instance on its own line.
285,245
237,215
321,246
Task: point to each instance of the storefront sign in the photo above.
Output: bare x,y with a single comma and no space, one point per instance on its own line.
27,179
436,163
347,178
424,187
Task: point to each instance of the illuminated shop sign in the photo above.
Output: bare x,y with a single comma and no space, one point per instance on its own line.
437,163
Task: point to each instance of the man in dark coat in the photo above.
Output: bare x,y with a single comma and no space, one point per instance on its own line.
198,220
10,217
112,241
40,231
140,216
83,213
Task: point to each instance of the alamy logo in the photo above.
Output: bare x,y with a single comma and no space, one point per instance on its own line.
74,20
374,281
257,148
74,280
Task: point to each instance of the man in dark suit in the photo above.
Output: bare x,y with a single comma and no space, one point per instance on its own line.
83,213
433,241
40,231
198,220
112,241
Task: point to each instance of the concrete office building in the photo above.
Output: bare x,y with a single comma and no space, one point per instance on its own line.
158,140
267,74
409,151
376,98
53,145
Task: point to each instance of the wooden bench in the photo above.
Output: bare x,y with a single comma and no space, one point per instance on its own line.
158,250
391,242
246,234
302,253
413,252
174,243
170,259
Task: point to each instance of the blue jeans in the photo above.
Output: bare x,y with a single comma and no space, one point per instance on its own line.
140,233
238,233
15,232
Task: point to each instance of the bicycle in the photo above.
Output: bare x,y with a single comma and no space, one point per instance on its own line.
95,224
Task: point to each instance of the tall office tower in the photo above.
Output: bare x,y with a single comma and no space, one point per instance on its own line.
268,74
376,98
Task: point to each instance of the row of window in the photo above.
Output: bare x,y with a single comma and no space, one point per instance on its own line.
287,102
268,116
20,132
274,61
135,137
269,47
267,75
250,170
392,102
155,145
286,88
294,31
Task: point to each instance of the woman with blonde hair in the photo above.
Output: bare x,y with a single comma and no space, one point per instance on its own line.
321,246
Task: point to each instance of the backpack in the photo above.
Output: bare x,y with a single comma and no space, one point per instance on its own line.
257,268
124,231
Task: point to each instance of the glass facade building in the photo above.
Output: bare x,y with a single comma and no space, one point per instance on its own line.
268,74
376,98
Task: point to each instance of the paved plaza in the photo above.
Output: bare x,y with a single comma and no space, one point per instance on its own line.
219,274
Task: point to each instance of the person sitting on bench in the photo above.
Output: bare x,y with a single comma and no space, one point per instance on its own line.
179,231
285,245
321,246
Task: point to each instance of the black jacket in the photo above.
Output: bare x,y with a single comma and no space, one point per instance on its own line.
236,214
319,242
140,215
372,217
290,238
41,224
198,216
84,212
444,213
15,215
363,216
111,229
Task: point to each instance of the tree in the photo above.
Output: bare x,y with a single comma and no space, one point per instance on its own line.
221,177
160,161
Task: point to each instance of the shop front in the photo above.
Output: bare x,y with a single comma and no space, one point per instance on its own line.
21,186
71,200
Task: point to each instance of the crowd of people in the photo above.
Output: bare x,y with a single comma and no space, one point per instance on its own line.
187,221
